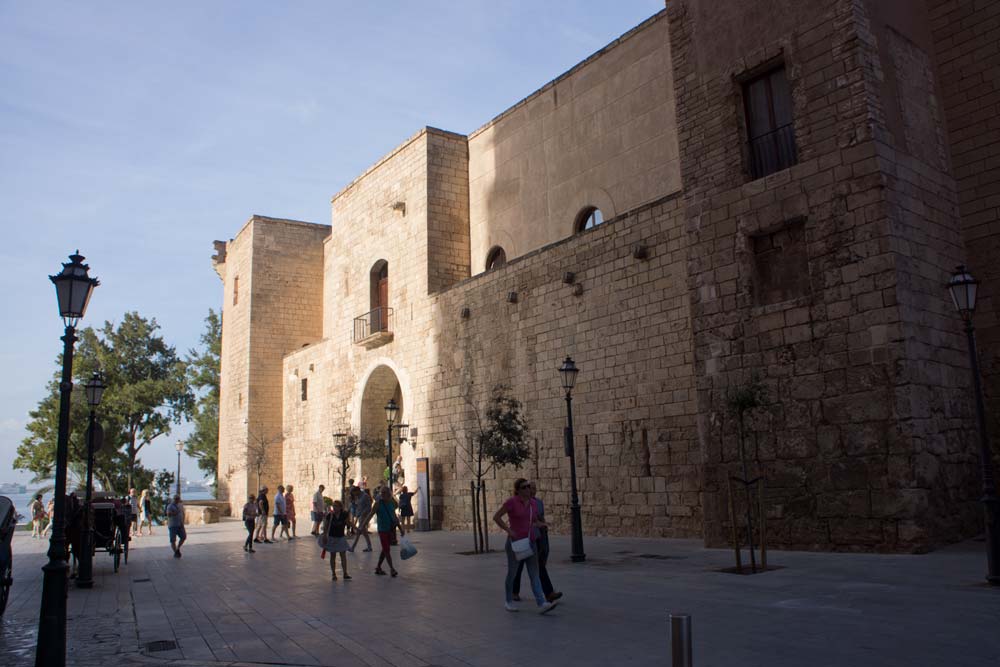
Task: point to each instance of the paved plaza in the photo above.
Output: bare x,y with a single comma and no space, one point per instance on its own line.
278,606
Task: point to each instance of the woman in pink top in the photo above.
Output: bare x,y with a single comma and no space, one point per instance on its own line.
522,514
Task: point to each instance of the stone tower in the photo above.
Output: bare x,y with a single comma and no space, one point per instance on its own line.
272,275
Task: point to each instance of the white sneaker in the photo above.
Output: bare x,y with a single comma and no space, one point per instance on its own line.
547,607
510,606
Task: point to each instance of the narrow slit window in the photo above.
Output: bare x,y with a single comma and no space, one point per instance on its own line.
770,129
305,389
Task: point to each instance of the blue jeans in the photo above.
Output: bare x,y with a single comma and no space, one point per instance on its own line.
512,571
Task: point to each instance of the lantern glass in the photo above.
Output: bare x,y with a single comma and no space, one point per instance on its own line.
568,371
179,446
963,289
391,411
73,289
95,389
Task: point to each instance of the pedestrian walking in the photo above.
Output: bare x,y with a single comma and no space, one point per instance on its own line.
263,506
175,525
290,511
145,512
364,482
542,547
351,507
522,514
280,513
406,506
250,521
50,512
363,502
37,516
384,511
316,510
334,525
133,512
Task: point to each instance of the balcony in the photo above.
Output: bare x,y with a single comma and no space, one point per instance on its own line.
773,152
374,328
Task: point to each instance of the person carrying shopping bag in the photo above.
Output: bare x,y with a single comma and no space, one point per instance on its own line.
522,515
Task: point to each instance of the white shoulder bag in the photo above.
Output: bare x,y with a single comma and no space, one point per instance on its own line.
522,548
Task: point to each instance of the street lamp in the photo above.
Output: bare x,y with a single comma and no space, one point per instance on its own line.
73,290
964,288
180,448
95,439
568,371
391,412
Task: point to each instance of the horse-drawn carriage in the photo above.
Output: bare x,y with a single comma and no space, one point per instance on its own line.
8,522
110,521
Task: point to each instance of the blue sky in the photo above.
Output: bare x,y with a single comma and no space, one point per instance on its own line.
141,132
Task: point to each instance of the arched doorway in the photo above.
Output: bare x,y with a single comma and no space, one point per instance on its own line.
382,385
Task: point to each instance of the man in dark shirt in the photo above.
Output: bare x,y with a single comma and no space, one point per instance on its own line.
263,507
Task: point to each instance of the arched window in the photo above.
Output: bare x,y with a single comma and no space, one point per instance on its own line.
380,296
495,258
589,217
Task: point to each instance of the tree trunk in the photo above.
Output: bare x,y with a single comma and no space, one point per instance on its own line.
475,517
482,503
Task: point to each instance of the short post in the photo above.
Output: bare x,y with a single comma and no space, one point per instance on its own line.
680,641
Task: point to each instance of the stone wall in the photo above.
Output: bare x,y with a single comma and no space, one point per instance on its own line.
821,282
966,35
625,322
602,134
858,448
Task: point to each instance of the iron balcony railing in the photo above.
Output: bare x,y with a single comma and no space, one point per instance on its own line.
773,151
376,321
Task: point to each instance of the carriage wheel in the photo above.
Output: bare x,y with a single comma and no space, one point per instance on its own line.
6,580
116,549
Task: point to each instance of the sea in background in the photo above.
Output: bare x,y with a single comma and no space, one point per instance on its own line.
22,501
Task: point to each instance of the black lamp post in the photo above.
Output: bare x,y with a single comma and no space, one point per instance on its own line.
963,288
73,290
391,412
568,371
180,448
95,439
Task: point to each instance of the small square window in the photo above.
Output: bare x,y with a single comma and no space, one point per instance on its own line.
781,264
305,389
767,102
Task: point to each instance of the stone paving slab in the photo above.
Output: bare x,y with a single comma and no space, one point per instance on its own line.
278,606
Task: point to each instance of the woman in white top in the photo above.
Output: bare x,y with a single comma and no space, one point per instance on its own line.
145,512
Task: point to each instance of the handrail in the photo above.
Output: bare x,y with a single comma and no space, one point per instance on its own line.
376,321
773,151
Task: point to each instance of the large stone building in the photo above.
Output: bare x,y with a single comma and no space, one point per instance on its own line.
732,191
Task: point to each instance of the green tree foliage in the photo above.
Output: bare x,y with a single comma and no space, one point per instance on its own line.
160,494
146,392
353,447
498,438
203,375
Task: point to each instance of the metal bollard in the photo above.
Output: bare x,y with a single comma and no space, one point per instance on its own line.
680,640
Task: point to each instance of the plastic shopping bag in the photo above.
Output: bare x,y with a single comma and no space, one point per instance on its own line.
406,548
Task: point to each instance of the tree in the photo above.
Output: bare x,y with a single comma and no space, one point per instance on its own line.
203,375
499,438
740,400
257,445
147,392
351,448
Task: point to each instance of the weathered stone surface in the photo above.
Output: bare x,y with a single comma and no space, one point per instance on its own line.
822,282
